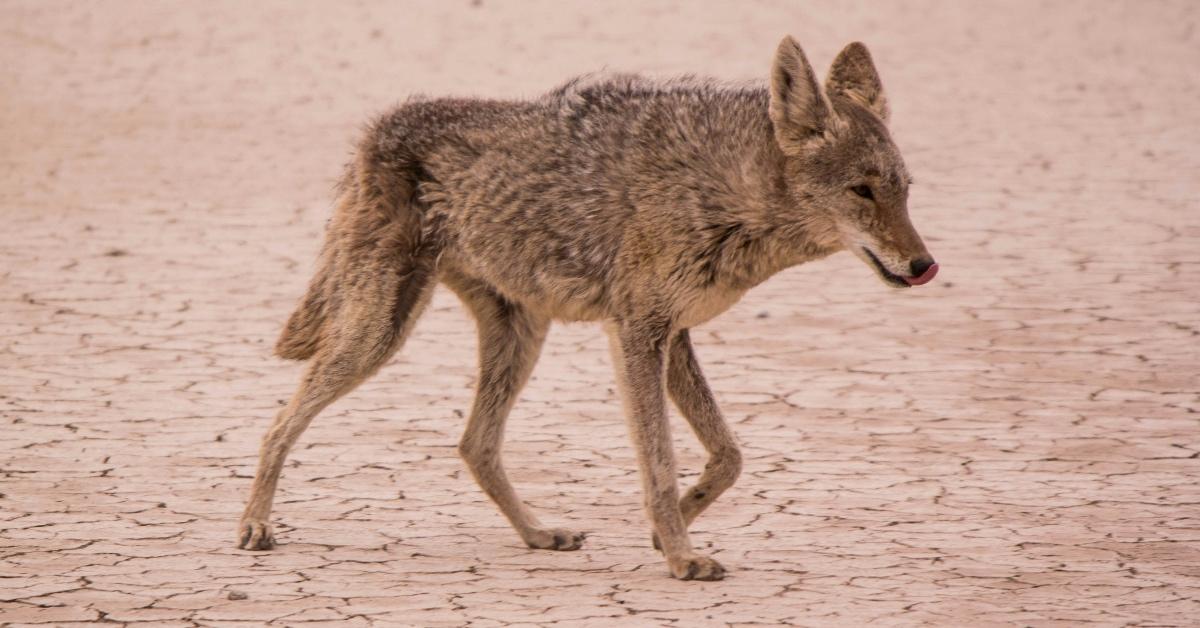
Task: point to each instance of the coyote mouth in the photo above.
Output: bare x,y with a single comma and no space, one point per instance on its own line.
888,276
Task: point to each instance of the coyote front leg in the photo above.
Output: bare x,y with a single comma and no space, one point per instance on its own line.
639,355
690,392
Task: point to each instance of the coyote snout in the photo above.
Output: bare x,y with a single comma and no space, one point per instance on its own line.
889,244
920,271
651,206
897,254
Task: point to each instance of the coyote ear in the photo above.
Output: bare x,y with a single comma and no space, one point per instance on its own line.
853,75
798,108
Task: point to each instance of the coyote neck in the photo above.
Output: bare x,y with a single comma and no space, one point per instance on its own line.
753,256
764,229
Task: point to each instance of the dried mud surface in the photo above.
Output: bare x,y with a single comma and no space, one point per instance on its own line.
1016,443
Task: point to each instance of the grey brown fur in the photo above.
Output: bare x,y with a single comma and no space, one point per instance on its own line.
650,206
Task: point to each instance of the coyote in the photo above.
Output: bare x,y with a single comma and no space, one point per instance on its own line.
649,206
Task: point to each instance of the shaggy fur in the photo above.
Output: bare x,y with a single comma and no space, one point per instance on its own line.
650,206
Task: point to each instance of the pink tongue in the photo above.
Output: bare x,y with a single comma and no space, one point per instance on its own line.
925,277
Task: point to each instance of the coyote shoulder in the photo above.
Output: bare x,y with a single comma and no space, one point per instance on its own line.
650,206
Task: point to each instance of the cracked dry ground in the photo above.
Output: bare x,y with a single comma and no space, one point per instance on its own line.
1014,444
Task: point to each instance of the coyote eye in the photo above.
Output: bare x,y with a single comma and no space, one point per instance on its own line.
863,191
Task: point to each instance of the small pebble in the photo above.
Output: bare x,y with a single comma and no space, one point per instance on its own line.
237,595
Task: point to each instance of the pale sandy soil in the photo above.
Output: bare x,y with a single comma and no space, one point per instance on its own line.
1014,444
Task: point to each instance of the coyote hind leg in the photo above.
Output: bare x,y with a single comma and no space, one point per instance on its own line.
510,340
378,313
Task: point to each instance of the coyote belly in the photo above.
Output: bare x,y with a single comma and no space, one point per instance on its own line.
650,206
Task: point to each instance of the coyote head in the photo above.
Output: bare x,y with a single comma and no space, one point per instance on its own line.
841,164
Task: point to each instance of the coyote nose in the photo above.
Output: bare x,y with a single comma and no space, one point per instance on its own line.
919,266
923,270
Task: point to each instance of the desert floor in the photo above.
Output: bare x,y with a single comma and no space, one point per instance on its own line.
1016,443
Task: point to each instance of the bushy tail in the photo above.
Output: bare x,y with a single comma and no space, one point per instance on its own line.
377,251
302,335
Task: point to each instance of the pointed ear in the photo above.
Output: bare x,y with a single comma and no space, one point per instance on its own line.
798,108
853,75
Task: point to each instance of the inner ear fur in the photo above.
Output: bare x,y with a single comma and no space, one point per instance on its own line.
798,108
853,76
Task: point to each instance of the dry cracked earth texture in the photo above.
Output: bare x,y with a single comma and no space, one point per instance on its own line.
1014,444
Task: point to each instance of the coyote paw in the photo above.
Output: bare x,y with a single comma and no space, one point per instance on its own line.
696,567
555,539
255,535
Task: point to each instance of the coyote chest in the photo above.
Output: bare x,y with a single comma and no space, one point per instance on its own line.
707,305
